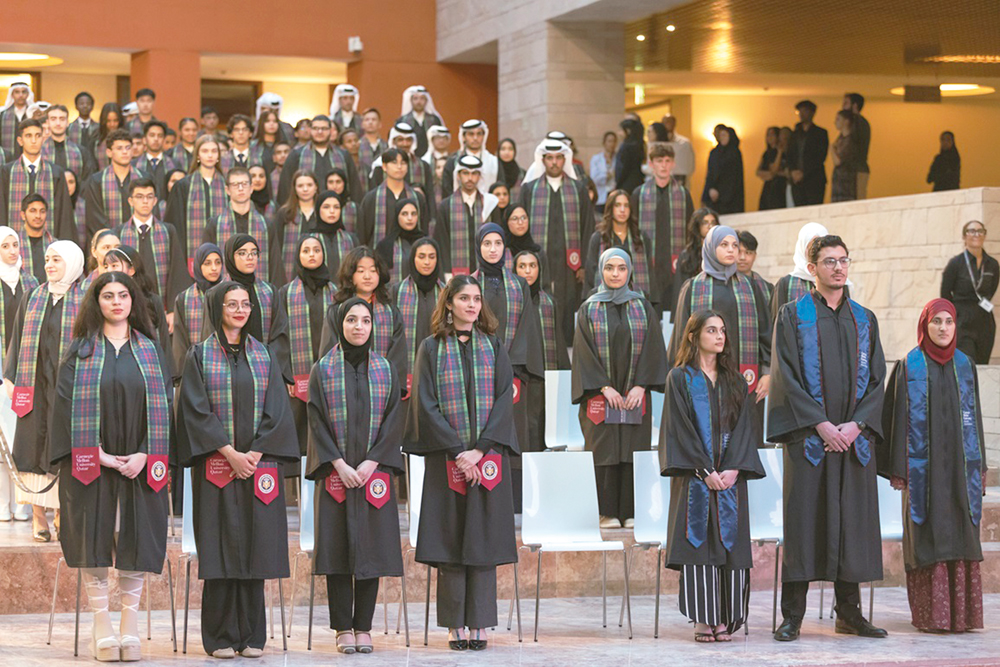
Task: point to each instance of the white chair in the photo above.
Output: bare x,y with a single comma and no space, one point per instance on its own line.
562,422
656,414
766,507
561,514
652,513
667,327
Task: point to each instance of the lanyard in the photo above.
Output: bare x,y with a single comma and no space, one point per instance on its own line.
976,284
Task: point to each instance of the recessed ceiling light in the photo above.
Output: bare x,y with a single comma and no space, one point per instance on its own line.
953,90
671,27
22,57
640,38
15,59
981,59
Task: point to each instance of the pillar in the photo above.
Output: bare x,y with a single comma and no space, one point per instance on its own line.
176,78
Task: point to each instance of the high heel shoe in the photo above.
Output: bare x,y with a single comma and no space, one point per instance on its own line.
456,644
347,649
365,647
131,649
477,644
106,649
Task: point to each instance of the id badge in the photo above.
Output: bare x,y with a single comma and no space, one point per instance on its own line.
986,304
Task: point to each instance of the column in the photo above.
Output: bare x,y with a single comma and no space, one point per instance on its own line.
176,78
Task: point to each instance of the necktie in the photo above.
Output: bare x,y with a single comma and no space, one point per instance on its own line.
153,162
241,159
31,178
143,230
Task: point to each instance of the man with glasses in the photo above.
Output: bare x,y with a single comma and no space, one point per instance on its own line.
970,281
106,193
242,216
30,174
320,156
241,153
826,409
158,244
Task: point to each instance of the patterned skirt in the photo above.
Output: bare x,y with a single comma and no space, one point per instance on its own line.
946,596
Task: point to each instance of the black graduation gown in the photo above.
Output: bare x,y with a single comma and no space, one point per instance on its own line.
277,271
158,318
976,327
593,258
90,511
331,247
29,449
370,231
36,245
397,352
682,453
322,168
11,303
684,262
181,339
92,191
238,536
534,393
178,278
177,209
663,277
613,444
947,532
476,529
355,537
831,509
807,152
426,302
60,211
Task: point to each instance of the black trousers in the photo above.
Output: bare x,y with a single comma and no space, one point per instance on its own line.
466,596
352,602
616,491
232,614
793,599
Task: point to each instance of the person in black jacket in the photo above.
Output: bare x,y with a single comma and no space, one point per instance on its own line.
724,180
946,170
970,280
631,156
807,157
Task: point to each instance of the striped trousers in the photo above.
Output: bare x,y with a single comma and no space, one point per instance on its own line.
715,595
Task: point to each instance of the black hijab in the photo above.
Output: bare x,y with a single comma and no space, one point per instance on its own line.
346,194
320,227
514,243
355,355
385,247
509,171
425,283
214,299
261,198
234,243
537,287
313,279
200,255
489,270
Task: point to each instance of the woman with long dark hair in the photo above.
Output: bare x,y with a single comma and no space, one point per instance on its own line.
110,439
416,297
189,307
510,173
689,261
946,169
461,421
356,426
631,156
296,215
502,192
336,181
619,228
200,197
724,179
235,431
267,131
331,229
110,120
708,446
394,249
771,171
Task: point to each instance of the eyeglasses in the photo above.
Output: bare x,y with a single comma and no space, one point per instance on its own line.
144,197
236,306
832,262
242,185
245,254
976,232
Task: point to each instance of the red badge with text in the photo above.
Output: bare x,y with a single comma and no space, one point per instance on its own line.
86,464
749,372
596,409
517,390
218,471
573,259
491,471
302,387
409,385
335,487
377,489
156,471
191,267
23,400
456,478
459,270
265,482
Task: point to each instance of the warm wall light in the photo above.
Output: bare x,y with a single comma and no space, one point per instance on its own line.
953,90
640,38
981,59
28,59
639,94
671,27
22,56
8,80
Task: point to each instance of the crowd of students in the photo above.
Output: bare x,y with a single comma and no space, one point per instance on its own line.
315,296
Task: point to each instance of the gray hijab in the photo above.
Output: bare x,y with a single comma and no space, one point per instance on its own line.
604,293
710,263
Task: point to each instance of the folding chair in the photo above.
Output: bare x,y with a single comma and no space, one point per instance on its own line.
562,425
766,508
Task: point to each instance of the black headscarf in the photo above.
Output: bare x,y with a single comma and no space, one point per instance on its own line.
200,255
514,243
425,283
314,279
537,287
234,243
385,247
261,198
321,227
346,194
509,171
355,355
489,270
76,193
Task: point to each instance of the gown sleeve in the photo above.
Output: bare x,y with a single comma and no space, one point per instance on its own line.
681,450
60,435
587,373
14,344
182,336
276,436
427,430
323,448
792,411
651,367
741,452
96,217
500,430
593,257
891,452
199,431
176,213
327,338
764,328
180,279
280,343
869,408
682,311
397,353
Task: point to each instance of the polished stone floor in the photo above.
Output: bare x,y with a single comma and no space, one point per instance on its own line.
571,634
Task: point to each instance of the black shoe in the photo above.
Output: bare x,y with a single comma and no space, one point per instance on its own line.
859,626
788,631
457,644
477,644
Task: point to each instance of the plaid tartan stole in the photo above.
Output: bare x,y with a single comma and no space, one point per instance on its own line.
74,132
80,213
515,303
764,286
193,304
382,211
275,178
255,158
225,226
408,304
462,253
451,395
677,222
8,131
265,296
635,317
28,257
28,283
547,314
116,208
292,231
746,307
181,157
382,326
310,156
336,245
144,165
797,288
218,375
396,273
300,327
349,216
33,316
367,155
331,370
201,209
86,431
640,271
415,174
74,156
20,188
541,196
159,240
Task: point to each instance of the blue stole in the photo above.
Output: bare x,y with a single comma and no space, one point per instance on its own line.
918,440
808,336
699,495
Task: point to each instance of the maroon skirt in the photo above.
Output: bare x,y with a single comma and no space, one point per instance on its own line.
946,596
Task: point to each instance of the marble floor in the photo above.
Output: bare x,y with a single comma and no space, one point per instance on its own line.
570,634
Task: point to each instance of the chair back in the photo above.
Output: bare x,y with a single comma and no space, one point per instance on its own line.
890,510
656,416
652,499
8,420
562,421
415,489
559,498
307,509
188,545
767,521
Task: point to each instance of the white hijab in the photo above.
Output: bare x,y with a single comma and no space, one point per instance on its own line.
10,273
549,146
10,96
73,256
341,90
809,231
408,100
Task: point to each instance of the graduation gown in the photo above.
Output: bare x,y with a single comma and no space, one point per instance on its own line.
396,354
682,453
97,215
183,338
279,272
90,511
534,392
947,533
613,444
238,536
323,165
476,529
60,212
830,509
11,304
591,268
177,278
177,210
420,328
355,537
370,231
